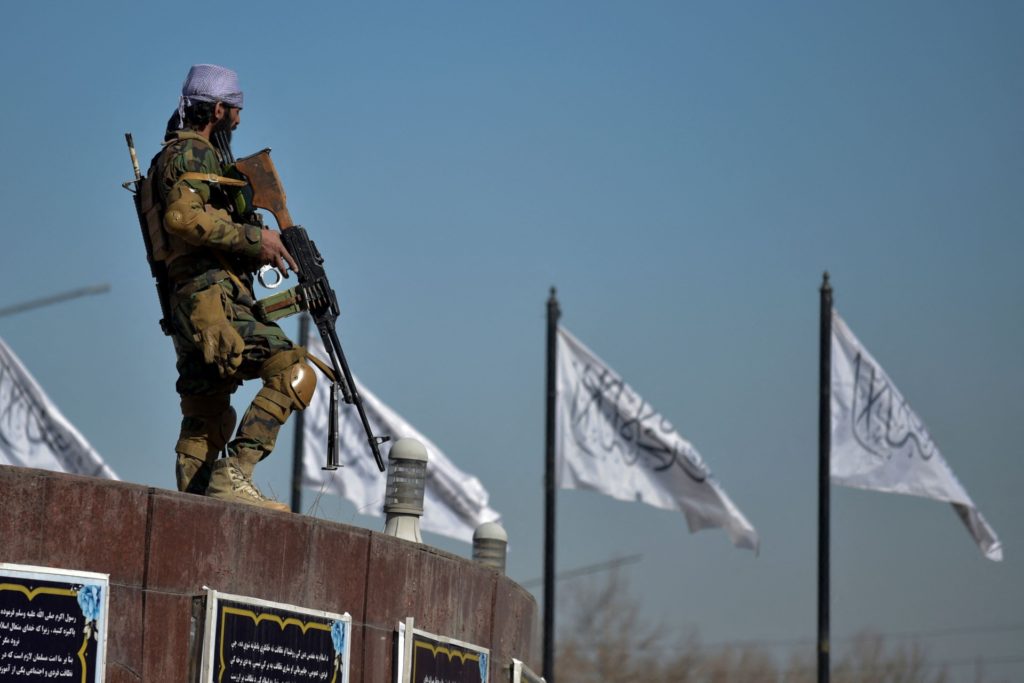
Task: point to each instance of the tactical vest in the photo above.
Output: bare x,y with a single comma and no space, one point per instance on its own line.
165,246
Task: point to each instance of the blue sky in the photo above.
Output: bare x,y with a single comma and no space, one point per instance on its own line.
682,172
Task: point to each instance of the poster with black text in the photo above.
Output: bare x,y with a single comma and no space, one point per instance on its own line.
436,659
52,624
256,641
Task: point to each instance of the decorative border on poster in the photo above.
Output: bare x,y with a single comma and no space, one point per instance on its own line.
30,638
266,661
408,647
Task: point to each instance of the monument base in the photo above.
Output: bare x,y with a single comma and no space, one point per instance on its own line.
162,548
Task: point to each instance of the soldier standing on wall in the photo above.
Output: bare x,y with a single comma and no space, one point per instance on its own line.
211,241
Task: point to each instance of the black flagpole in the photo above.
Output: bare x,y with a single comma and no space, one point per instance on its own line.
299,439
824,470
549,494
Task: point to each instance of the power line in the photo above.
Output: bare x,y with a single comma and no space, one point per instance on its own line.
588,569
782,642
953,631
948,663
898,635
55,299
758,677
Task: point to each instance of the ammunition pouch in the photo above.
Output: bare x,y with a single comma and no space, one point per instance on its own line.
218,340
277,306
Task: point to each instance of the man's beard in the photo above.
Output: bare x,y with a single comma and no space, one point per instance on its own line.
221,135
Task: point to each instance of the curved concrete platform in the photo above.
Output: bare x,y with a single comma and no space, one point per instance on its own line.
160,548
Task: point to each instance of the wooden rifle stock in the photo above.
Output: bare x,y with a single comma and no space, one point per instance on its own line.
267,189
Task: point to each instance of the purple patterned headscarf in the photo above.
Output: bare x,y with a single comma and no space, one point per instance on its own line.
209,83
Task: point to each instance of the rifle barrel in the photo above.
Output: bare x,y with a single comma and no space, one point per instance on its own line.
135,159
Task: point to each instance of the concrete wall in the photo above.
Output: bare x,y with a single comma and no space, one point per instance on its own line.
161,547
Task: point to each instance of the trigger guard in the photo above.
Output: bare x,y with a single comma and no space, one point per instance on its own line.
261,276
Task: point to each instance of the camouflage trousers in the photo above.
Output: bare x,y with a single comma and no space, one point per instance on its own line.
207,416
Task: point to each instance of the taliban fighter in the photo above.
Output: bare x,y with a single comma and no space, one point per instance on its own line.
213,242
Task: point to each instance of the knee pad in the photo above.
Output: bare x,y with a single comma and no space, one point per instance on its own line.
206,426
283,392
302,382
281,361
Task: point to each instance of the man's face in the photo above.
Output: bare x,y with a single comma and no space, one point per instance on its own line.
226,119
234,115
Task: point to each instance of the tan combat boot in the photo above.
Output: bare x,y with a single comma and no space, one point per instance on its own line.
231,482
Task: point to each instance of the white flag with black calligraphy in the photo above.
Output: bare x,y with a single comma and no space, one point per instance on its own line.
879,443
33,432
610,440
454,503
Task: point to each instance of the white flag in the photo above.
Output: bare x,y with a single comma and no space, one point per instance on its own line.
612,441
879,443
454,503
33,432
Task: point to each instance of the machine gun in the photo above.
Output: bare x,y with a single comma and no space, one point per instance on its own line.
313,294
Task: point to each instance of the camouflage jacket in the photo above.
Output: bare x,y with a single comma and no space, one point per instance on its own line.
199,214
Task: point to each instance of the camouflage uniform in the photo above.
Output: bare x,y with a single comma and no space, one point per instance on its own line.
213,250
